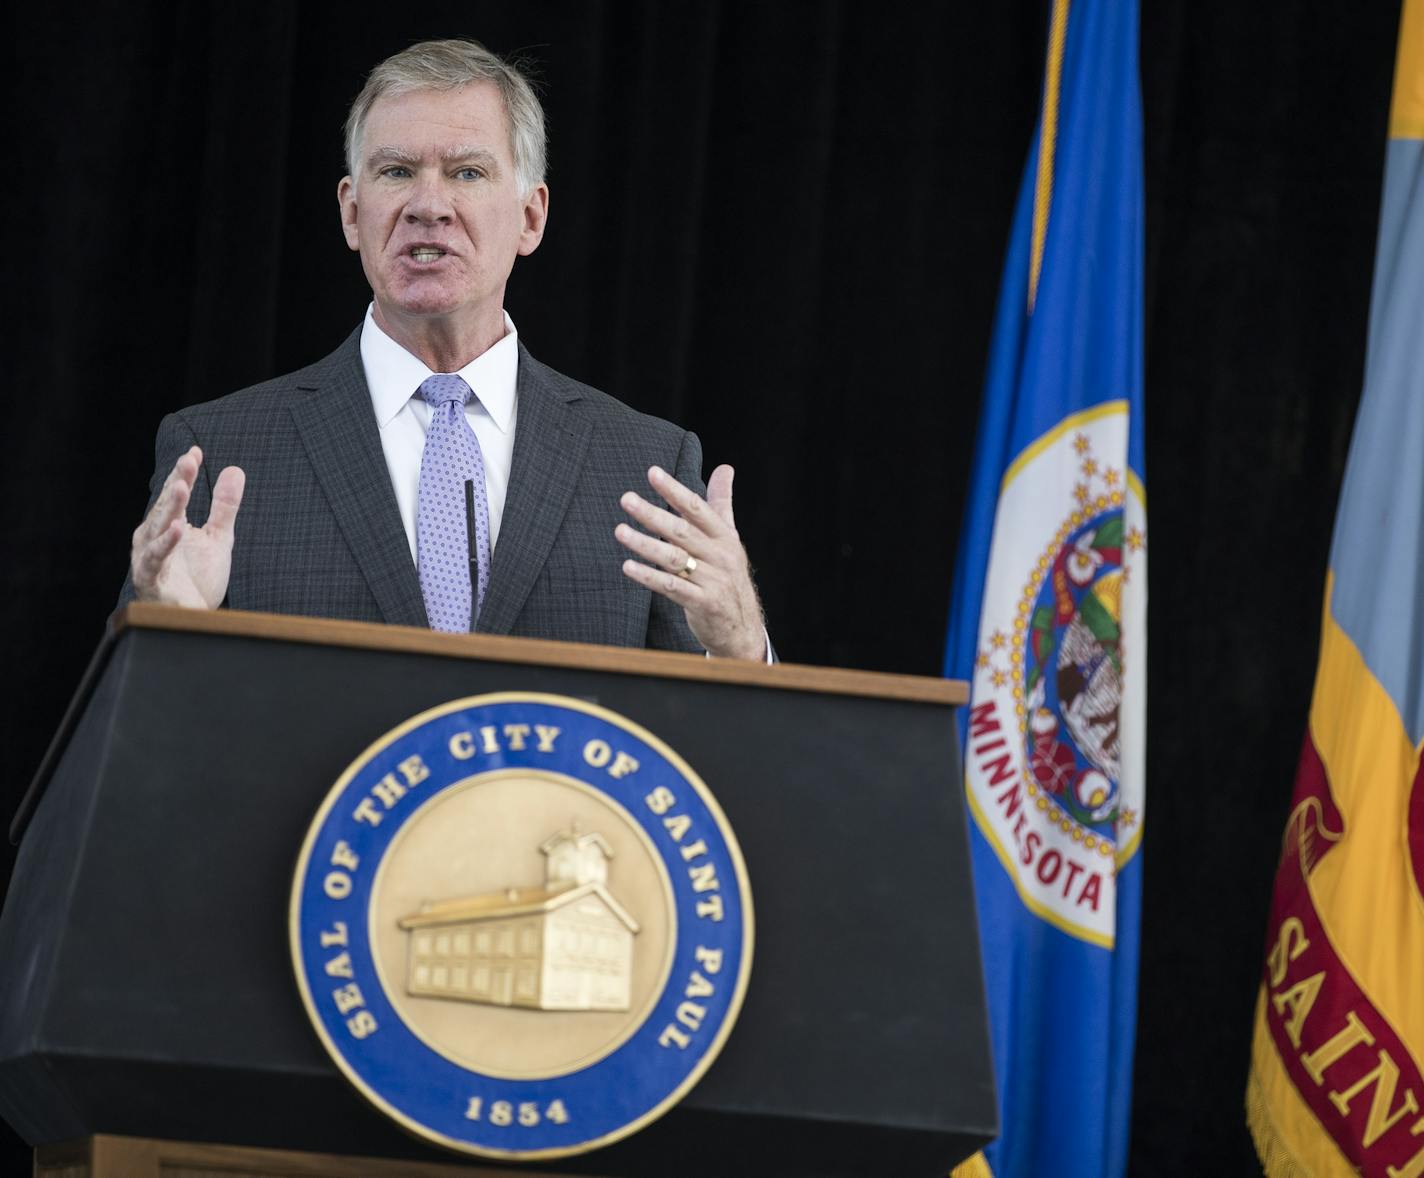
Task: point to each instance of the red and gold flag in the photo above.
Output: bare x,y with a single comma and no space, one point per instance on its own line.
1336,1083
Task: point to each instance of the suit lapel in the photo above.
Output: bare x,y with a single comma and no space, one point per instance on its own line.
338,429
550,442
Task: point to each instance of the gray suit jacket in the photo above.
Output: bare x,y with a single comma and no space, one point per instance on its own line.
319,532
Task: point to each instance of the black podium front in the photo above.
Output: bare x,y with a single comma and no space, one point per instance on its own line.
146,987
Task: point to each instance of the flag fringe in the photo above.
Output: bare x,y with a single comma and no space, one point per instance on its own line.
1276,1159
975,1167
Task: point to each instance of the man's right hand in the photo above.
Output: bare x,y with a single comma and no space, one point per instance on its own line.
176,563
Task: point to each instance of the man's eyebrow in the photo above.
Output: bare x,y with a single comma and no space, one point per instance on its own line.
391,155
477,155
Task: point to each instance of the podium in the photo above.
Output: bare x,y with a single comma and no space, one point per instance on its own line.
146,987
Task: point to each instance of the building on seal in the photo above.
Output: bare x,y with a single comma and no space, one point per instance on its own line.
567,945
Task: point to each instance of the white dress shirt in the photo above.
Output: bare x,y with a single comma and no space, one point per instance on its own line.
394,376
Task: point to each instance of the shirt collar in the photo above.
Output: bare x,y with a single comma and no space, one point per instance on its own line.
393,375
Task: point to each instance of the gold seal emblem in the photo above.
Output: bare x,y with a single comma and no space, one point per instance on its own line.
521,925
520,891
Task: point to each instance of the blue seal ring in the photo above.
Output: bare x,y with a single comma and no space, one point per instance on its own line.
478,1111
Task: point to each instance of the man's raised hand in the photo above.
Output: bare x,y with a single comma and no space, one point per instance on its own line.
174,562
699,562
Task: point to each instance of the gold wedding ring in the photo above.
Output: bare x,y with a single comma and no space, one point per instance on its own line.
689,566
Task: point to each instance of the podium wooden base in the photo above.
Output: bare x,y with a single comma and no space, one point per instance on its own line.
103,1156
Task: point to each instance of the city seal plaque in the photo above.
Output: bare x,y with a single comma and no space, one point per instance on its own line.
521,926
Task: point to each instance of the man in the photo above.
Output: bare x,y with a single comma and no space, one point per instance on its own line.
430,471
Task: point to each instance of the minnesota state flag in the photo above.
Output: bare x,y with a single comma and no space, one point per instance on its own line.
1048,620
1336,1085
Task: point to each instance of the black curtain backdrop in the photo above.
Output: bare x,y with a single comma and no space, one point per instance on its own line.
780,225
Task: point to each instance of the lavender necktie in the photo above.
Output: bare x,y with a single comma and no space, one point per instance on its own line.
444,553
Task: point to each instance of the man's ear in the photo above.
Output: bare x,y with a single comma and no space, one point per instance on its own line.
346,197
536,215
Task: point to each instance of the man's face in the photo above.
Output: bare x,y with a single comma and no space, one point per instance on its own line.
436,210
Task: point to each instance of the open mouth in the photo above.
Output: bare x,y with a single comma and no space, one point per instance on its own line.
426,253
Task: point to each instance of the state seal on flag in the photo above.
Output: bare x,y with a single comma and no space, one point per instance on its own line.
1053,758
521,926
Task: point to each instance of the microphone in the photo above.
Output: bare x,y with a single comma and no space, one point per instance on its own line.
470,539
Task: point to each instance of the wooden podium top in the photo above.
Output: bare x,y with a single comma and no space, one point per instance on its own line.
503,649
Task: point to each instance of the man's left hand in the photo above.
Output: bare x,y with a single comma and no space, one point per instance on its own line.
699,562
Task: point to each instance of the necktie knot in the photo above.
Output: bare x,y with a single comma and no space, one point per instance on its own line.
443,388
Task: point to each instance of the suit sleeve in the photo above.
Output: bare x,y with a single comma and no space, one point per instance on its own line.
667,623
174,438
